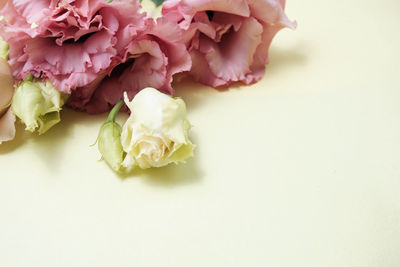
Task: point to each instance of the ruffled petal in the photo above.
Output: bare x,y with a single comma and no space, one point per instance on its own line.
271,12
230,60
151,61
71,65
186,9
202,72
72,42
228,40
261,56
33,11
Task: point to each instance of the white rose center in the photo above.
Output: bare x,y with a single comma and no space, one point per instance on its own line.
152,151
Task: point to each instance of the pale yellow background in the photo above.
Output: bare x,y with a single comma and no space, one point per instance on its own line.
301,169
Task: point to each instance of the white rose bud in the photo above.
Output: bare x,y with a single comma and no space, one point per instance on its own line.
37,104
156,132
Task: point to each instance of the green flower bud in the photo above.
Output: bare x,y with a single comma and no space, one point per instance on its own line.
109,140
109,144
38,104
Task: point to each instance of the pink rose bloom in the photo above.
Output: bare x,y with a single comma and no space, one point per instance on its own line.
228,40
150,60
71,42
7,118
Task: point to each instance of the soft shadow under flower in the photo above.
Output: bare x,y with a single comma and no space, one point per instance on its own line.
168,176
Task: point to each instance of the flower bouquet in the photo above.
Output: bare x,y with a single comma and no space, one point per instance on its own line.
105,56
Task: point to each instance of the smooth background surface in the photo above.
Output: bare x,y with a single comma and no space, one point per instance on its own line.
301,169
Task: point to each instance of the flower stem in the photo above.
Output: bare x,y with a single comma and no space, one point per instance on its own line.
114,111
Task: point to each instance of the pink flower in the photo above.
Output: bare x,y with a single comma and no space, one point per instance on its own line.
228,40
7,118
151,59
71,42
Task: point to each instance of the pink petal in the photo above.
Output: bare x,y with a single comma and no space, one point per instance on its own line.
7,127
33,11
151,60
202,72
75,41
172,46
186,9
80,97
270,11
230,59
231,43
71,65
261,56
6,85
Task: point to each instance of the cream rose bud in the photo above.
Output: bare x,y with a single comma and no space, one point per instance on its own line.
37,103
156,133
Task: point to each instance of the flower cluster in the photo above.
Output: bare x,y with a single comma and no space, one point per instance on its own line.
91,54
155,134
93,50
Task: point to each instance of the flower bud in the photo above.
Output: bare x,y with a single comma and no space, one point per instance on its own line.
109,140
37,104
109,144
